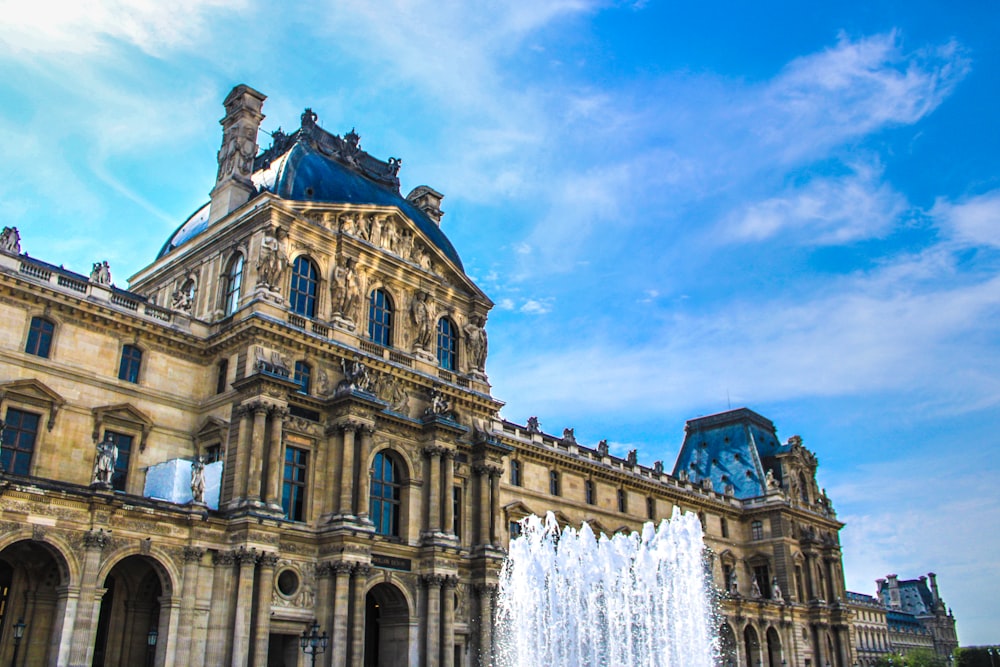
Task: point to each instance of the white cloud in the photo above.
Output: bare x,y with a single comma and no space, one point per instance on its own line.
975,221
824,211
536,306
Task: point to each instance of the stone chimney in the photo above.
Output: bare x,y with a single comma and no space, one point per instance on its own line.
427,200
233,186
935,594
894,600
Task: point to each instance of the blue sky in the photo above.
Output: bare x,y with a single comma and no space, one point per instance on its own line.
677,207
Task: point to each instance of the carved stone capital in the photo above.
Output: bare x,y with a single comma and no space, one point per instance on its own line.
224,558
268,559
432,580
192,554
245,556
451,581
430,451
341,567
361,570
279,412
485,590
324,570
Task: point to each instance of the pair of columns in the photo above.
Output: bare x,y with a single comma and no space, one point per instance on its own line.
262,443
441,479
439,638
349,450
488,477
341,611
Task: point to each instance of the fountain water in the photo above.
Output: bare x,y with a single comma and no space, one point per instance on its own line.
570,599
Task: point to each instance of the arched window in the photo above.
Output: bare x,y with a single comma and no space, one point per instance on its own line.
447,344
40,337
380,318
385,494
131,362
302,376
303,293
233,284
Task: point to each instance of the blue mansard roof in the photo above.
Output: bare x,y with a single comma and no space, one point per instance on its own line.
727,448
312,165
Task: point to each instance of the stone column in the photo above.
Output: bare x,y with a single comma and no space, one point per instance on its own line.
447,490
495,505
216,646
339,638
347,472
274,462
244,607
324,607
262,624
364,473
65,619
433,455
486,593
483,474
89,607
192,558
448,621
334,457
255,468
359,577
432,638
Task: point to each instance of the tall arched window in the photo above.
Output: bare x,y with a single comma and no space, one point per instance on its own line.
303,293
447,344
385,494
40,337
380,318
233,284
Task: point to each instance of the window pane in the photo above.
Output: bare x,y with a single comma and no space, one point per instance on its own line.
293,488
302,376
124,444
234,281
380,318
131,361
447,344
303,292
40,337
19,434
385,495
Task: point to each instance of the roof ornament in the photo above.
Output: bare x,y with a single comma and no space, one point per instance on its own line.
533,426
309,119
10,241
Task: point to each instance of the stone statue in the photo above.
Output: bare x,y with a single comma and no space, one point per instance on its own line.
602,448
236,155
658,467
776,590
568,436
754,588
272,261
345,289
733,583
183,298
355,376
475,338
770,479
633,456
101,273
10,241
198,481
438,403
104,464
375,230
420,313
533,426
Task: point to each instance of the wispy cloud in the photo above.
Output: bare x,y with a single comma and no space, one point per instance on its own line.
974,221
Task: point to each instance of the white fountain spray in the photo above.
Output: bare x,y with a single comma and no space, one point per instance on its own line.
568,599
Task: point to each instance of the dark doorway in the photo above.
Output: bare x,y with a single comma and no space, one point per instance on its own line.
387,627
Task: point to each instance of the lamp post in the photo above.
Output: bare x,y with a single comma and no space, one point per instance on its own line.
312,642
18,633
151,638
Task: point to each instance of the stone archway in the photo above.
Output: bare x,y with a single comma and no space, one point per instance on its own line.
130,608
773,648
387,627
728,648
751,647
33,588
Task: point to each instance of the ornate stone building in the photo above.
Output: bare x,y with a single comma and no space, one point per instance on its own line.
286,418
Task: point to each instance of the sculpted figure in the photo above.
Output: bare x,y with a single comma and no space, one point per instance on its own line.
569,435
375,230
475,339
420,313
602,448
272,261
734,584
345,289
776,590
107,458
101,273
10,240
754,588
658,467
198,480
633,457
438,404
533,426
769,478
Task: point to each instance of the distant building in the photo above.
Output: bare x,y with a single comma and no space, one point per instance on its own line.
285,419
903,616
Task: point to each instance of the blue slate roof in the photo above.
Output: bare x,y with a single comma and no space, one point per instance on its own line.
730,448
914,596
304,166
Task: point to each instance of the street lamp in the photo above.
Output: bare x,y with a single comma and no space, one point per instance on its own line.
312,642
151,638
18,633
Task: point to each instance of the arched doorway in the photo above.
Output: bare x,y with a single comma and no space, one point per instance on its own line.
728,656
32,591
130,613
751,647
773,648
387,627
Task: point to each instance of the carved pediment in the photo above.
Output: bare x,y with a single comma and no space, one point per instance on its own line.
517,510
122,414
35,393
212,429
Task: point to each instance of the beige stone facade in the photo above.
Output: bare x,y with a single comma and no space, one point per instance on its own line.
314,332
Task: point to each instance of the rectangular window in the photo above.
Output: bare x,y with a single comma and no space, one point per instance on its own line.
40,337
554,483
293,490
725,527
622,501
19,435
763,578
213,453
515,529
222,379
123,442
588,492
651,508
756,530
515,473
131,362
456,500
